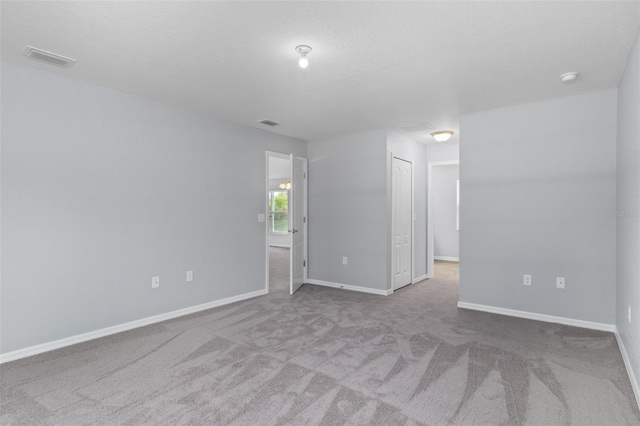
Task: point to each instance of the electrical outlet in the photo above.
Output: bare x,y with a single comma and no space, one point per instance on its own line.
155,282
629,314
526,280
189,276
560,282
344,260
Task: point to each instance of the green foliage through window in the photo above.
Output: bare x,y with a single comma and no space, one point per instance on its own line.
279,211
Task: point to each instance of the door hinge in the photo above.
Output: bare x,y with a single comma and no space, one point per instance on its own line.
304,219
304,175
304,263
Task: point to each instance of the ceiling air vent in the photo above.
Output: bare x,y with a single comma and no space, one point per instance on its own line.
268,122
48,57
422,127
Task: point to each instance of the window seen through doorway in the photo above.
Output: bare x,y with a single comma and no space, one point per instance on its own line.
278,211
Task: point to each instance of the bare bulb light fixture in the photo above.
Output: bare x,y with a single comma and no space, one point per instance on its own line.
285,185
303,50
442,136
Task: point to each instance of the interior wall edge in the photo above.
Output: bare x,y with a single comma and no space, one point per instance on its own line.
108,331
538,317
628,366
349,287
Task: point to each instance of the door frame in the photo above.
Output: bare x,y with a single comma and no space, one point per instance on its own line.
305,217
266,213
267,189
391,216
430,230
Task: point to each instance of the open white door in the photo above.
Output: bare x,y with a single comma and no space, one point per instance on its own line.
402,222
297,222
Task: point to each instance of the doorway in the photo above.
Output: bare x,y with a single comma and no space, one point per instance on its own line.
286,222
298,223
401,222
443,219
278,240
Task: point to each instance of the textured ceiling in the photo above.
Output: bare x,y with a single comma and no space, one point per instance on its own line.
373,65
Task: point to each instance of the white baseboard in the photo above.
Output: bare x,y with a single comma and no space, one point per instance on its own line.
350,287
420,278
447,258
627,364
57,344
538,317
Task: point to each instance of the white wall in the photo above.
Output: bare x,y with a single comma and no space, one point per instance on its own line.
533,201
348,210
102,190
628,204
445,233
444,151
350,207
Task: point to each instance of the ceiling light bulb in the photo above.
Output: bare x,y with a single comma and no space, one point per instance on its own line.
285,185
303,50
443,136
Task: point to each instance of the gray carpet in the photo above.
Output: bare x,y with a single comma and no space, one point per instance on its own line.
329,357
279,269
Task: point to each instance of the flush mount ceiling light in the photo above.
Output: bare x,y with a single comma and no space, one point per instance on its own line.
303,50
442,136
569,77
